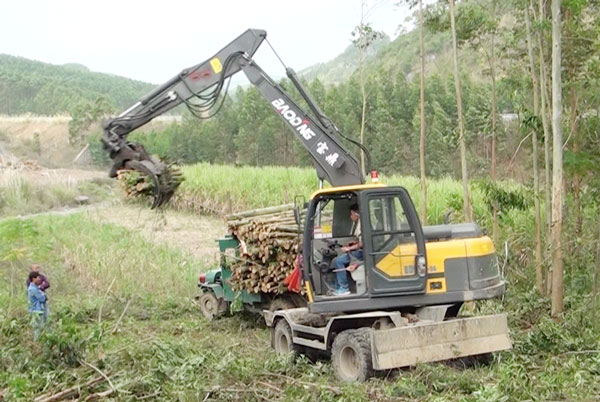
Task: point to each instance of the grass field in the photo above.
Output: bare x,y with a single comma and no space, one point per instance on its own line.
28,192
228,188
122,305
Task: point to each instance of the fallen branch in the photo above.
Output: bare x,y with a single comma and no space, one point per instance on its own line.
69,392
141,398
99,395
273,387
99,372
580,352
121,317
144,340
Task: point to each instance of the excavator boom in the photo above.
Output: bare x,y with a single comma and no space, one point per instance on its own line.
200,88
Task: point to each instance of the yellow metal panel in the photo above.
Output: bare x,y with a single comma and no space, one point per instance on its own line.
308,292
216,65
394,264
439,251
398,261
479,246
355,187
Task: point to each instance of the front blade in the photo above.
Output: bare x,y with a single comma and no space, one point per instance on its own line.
421,343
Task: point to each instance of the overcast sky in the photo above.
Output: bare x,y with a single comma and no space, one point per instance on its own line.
154,40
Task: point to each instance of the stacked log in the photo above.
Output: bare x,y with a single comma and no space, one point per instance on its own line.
269,243
135,184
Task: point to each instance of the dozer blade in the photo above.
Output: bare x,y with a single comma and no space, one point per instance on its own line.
429,342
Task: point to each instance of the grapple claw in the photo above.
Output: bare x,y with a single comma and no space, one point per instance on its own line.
165,177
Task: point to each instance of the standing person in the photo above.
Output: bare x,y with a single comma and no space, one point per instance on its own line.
37,304
45,284
354,249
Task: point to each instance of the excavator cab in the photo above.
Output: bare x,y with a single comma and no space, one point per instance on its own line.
393,253
403,264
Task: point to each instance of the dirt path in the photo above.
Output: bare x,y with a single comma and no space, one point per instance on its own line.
194,235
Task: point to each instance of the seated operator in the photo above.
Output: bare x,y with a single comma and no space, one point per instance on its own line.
353,249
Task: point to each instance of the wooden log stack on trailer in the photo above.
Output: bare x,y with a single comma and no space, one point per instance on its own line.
269,244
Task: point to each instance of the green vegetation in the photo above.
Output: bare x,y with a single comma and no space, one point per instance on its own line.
28,86
224,189
161,349
247,132
21,196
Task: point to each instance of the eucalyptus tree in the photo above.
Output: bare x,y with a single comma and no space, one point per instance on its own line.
557,163
363,37
534,128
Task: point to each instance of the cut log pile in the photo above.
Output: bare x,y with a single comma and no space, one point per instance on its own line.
269,243
135,184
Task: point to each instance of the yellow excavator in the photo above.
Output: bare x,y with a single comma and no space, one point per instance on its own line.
404,293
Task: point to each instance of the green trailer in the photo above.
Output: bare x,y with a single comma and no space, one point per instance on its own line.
216,294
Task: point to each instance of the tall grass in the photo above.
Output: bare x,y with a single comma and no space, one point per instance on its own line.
223,189
85,257
21,195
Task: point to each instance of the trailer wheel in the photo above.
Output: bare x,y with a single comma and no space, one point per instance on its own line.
281,339
351,355
210,306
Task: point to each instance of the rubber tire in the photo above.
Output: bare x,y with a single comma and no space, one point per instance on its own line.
351,355
281,339
281,303
209,305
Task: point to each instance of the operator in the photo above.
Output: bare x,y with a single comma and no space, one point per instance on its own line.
353,249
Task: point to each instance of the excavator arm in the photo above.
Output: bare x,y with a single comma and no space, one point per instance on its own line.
199,88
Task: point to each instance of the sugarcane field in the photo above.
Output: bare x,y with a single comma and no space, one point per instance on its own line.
343,201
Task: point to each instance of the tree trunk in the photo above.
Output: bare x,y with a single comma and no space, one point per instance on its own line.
573,112
363,92
539,277
557,173
494,124
547,163
362,118
422,138
596,287
461,123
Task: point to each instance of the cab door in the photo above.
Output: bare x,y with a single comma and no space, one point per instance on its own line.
393,242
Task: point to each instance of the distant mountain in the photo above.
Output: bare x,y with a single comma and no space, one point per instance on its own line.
341,67
399,55
28,86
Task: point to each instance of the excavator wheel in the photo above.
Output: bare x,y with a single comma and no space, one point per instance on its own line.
351,355
281,339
